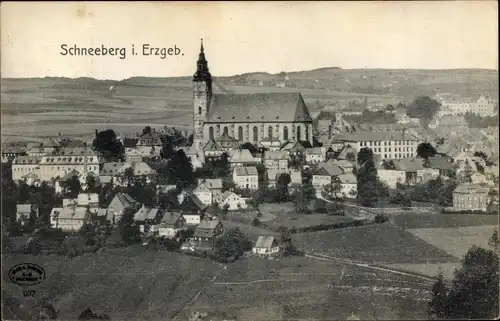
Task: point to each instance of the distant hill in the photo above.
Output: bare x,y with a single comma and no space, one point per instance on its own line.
34,107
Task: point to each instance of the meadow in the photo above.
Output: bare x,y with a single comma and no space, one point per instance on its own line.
305,288
126,284
429,220
380,243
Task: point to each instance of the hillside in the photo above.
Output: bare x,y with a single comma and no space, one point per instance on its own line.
47,106
123,285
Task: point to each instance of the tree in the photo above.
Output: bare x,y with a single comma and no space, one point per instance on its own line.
302,196
474,290
423,108
335,208
364,155
367,178
181,170
351,157
426,150
45,199
129,175
482,155
250,147
72,186
108,145
282,182
129,231
146,130
91,183
169,199
168,147
231,245
439,303
494,242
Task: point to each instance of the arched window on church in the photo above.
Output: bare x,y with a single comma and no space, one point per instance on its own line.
211,132
255,134
307,133
270,131
199,110
240,133
285,133
299,133
226,131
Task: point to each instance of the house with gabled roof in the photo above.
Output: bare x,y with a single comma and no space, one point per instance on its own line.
246,177
151,138
69,218
266,245
277,161
324,173
349,185
147,218
119,204
470,197
207,232
230,200
25,211
240,157
204,193
171,223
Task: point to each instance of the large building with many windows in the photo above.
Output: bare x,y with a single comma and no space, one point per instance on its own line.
385,145
246,117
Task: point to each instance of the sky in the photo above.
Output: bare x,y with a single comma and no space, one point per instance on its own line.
242,37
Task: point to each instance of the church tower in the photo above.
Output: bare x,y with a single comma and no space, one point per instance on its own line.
202,93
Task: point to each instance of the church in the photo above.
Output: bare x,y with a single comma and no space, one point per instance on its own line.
246,118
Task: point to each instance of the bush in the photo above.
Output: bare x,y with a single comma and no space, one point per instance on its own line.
256,222
379,218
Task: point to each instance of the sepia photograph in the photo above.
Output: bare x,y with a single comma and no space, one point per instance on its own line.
265,160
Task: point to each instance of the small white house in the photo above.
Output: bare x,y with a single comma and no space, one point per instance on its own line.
266,245
203,192
231,200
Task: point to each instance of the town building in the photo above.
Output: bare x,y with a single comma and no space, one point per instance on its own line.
266,245
481,106
207,232
82,160
69,218
119,204
276,161
470,197
25,211
171,224
386,145
230,200
25,165
246,177
246,117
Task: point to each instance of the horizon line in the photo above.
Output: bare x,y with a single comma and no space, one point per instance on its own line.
258,72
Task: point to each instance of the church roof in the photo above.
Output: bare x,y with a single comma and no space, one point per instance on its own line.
258,107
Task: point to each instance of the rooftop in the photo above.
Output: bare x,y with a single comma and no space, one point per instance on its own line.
258,107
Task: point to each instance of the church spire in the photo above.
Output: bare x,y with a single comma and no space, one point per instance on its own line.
202,72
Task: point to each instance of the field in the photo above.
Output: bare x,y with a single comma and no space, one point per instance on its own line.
128,284
295,288
456,241
451,233
276,215
381,243
77,107
414,221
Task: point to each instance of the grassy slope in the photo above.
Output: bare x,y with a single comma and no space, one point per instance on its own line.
381,243
123,284
307,288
